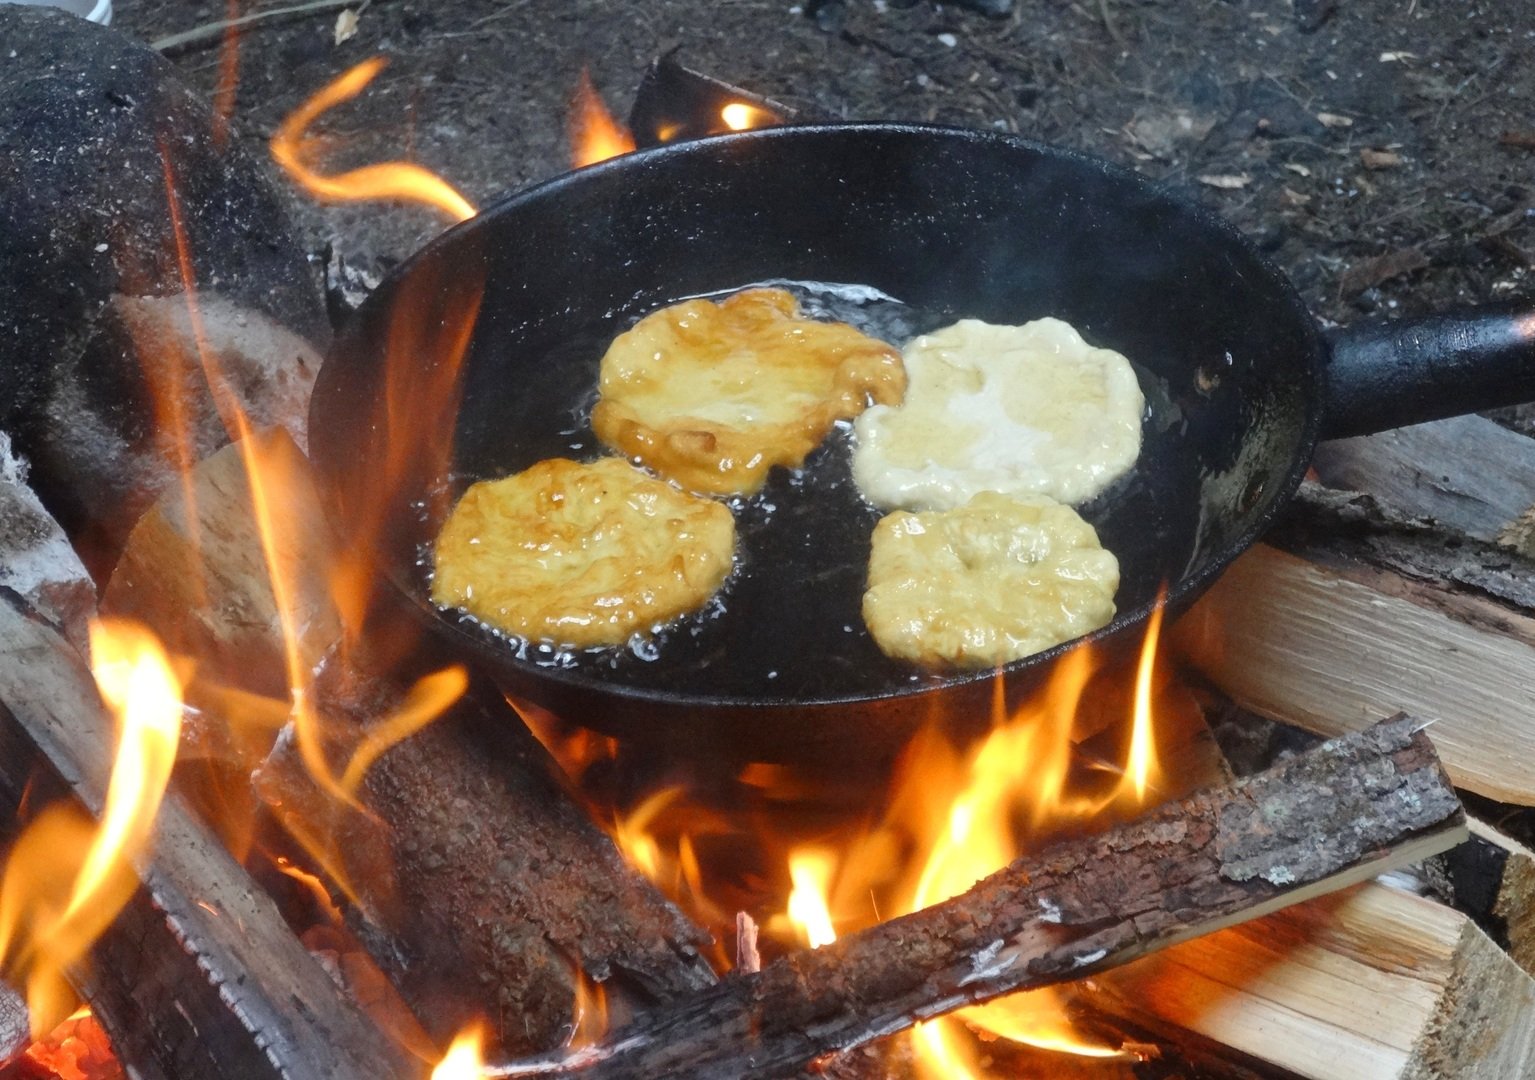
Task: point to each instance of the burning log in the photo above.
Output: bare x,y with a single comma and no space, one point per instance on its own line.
1373,983
132,202
198,976
484,886
1326,819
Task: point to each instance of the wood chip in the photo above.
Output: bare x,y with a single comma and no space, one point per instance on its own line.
1294,198
1371,272
1226,181
1333,120
1297,168
1396,57
346,25
1380,159
1523,139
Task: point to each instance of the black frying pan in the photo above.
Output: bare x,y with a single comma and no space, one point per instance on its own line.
1239,381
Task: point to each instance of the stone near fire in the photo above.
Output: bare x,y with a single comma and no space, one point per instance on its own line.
95,130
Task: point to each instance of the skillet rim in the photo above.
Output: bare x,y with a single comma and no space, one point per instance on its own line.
1173,596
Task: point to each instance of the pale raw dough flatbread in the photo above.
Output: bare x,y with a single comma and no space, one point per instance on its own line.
1023,410
714,395
995,580
581,555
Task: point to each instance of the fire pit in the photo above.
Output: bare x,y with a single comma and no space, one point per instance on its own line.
424,867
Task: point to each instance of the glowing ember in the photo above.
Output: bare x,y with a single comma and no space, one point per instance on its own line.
78,1049
392,180
464,1059
65,882
594,134
739,116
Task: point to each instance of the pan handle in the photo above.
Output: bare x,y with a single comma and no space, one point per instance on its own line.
1390,373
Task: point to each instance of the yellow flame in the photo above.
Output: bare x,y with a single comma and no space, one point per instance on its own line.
465,1057
391,180
810,872
64,882
591,1012
594,134
425,702
1141,768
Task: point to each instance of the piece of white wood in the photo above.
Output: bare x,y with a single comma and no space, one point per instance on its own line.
1333,650
1370,984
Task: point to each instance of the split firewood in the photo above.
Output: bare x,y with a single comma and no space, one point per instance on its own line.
1373,984
202,581
478,882
1423,471
1348,612
1329,818
1493,880
198,976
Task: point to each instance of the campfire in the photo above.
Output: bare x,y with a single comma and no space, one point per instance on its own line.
261,823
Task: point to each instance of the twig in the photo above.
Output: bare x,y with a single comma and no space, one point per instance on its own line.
214,29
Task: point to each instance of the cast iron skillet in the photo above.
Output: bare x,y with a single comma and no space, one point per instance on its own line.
1239,381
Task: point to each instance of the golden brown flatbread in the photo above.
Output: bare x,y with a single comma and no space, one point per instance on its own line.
713,395
995,580
581,555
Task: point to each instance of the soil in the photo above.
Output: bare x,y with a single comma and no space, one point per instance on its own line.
1382,151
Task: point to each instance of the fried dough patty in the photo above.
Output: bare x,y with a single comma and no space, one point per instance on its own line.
997,579
714,395
581,555
1024,410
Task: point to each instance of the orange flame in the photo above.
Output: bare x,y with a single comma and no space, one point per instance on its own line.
64,882
465,1057
391,180
739,116
591,1012
810,870
594,134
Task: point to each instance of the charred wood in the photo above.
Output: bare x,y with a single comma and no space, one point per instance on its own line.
199,976
1326,819
482,887
36,561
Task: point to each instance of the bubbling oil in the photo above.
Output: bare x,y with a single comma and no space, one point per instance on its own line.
787,623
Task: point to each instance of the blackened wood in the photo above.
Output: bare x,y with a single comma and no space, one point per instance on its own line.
486,889
94,129
199,976
1492,877
1329,818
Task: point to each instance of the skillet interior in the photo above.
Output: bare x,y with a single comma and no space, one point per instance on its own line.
952,223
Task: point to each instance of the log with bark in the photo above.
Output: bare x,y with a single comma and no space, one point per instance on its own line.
1326,819
477,880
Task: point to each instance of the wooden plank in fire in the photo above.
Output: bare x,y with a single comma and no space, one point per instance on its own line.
199,976
1329,818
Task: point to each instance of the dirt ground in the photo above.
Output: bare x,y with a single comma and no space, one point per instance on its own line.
1385,158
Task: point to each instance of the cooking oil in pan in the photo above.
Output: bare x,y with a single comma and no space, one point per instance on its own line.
787,624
